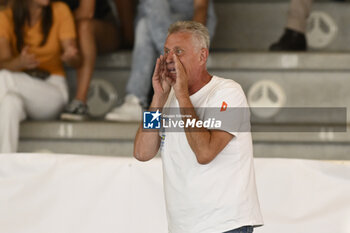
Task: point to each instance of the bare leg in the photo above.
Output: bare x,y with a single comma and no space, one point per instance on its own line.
94,35
126,12
108,38
293,38
298,12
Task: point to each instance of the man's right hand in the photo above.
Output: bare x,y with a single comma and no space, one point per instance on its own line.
161,80
27,60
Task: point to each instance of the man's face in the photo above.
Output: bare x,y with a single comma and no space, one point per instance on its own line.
181,44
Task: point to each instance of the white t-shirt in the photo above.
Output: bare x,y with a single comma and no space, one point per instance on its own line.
218,196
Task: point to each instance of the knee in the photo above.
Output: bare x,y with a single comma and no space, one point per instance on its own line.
4,73
142,34
11,107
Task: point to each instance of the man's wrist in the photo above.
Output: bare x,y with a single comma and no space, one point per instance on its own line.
183,99
158,101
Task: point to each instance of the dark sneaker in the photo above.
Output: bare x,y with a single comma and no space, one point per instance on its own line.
290,41
75,111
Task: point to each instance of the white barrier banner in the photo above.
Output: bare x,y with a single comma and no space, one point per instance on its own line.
54,193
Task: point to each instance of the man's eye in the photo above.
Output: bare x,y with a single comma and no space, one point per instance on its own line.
166,51
178,51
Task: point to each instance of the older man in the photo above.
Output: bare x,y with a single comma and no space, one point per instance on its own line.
209,178
153,19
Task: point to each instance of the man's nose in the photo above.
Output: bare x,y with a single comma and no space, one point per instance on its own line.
169,57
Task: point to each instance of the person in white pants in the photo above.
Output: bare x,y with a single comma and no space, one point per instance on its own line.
23,96
32,52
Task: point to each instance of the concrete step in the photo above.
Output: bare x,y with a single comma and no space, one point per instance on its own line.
307,80
247,60
116,139
247,25
293,79
88,137
109,131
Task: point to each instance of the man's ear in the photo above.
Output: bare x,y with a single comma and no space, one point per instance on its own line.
204,53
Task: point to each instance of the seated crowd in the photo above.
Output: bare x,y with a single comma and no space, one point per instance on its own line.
39,37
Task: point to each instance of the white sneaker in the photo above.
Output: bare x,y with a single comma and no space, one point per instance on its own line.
130,110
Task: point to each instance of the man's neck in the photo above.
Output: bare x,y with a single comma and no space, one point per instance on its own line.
200,81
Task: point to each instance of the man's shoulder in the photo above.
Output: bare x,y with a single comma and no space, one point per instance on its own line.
220,84
225,90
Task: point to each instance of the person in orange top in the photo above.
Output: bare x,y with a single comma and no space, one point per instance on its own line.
36,38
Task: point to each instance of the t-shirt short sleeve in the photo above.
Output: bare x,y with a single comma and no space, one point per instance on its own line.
5,27
228,106
66,25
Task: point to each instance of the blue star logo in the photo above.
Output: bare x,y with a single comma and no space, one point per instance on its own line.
151,120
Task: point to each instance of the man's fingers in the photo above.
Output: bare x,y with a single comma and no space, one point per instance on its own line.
163,67
156,69
170,80
178,64
162,64
176,61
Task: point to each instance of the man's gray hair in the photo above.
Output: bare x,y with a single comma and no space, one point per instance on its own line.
198,30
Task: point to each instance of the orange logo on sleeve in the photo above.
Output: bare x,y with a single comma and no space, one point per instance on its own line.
223,106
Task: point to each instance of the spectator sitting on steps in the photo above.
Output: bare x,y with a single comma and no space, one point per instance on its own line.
36,38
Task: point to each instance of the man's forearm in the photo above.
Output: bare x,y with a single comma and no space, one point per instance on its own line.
147,142
198,138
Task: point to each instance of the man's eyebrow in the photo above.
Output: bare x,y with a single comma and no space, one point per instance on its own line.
176,47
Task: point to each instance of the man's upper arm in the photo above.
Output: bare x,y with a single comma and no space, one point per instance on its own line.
219,140
226,105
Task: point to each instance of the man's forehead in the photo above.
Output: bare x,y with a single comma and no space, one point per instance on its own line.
178,39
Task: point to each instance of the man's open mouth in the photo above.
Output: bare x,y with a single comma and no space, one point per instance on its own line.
172,71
